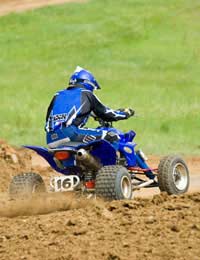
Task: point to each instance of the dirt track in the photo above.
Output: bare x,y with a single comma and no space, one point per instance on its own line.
10,6
62,226
161,228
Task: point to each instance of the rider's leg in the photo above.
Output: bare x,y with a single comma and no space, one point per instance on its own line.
62,136
59,137
87,135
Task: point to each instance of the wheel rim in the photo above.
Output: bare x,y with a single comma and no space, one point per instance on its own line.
37,188
180,176
126,187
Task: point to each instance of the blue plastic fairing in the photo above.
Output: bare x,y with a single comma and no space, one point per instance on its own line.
100,149
48,156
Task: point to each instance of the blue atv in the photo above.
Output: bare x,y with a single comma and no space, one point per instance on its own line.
100,168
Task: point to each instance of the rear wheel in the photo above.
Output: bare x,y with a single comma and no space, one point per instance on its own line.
26,184
173,175
113,182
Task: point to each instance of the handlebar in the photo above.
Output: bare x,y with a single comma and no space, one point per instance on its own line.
104,123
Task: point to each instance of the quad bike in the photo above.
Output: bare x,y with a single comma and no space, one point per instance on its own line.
99,168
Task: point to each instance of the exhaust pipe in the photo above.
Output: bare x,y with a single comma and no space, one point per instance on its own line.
87,160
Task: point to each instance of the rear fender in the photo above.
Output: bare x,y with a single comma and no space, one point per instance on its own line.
47,154
104,151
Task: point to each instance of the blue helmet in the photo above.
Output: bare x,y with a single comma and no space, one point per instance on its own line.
84,78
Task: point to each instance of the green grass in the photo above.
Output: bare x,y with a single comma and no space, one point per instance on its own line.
145,54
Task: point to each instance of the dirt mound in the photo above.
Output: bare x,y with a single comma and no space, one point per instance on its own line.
15,160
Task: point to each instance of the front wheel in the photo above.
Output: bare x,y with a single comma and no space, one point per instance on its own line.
114,183
173,175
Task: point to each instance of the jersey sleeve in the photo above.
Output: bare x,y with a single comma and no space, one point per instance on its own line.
105,112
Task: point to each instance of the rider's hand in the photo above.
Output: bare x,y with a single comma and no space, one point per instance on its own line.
128,111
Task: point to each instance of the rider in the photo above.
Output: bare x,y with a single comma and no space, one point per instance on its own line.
70,109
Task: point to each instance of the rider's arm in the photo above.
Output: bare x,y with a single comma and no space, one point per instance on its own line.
104,112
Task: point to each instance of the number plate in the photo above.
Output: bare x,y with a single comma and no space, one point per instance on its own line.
64,183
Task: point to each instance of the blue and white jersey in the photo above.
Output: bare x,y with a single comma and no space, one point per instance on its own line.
73,106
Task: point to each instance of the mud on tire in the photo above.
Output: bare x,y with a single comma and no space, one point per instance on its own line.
114,183
173,175
26,184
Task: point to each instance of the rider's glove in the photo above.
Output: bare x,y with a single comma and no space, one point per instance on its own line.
128,111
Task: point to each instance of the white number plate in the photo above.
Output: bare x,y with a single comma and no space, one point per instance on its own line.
64,183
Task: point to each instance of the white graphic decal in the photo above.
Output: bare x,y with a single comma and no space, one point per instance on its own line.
89,138
73,114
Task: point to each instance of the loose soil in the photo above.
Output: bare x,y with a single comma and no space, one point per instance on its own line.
59,226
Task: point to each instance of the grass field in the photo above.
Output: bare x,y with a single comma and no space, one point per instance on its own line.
145,54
